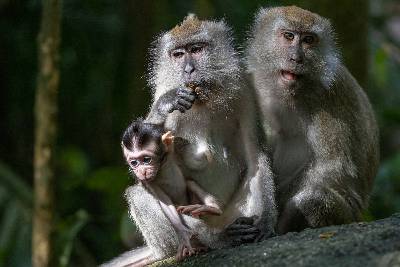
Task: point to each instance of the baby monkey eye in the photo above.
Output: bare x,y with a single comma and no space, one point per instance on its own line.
288,36
309,39
134,163
147,160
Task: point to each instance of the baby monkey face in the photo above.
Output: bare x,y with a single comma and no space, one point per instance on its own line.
144,162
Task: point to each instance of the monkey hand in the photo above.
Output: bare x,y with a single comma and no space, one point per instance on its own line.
243,230
184,100
197,210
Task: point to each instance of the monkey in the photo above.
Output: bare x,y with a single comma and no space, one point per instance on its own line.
319,123
196,65
150,155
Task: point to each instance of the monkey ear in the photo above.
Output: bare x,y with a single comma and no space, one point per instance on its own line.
167,139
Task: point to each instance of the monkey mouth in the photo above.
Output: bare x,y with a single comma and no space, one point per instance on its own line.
289,76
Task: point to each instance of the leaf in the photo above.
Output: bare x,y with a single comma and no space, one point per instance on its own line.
327,235
70,234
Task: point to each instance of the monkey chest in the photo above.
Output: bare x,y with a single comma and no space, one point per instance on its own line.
173,183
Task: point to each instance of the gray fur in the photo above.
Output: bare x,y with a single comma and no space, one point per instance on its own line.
223,155
323,132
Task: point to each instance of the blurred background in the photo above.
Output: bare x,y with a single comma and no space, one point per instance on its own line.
103,60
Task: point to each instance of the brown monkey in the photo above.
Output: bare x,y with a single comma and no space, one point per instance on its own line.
319,121
150,156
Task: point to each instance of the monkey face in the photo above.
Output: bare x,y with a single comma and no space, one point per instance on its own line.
293,47
191,60
144,162
297,60
145,172
199,55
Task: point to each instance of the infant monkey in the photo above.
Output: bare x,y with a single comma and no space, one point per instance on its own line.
150,154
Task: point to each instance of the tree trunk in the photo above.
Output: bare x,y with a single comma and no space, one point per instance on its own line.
45,132
350,21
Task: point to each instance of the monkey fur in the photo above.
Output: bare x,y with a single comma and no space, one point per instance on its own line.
224,154
317,119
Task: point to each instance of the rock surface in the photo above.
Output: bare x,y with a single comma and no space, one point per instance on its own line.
358,244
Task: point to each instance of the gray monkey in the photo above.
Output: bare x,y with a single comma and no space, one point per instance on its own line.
317,118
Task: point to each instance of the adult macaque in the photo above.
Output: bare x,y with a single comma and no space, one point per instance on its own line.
196,66
318,119
150,156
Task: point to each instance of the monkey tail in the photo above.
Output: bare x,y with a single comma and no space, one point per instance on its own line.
141,256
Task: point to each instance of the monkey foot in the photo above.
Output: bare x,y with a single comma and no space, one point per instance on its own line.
184,251
197,210
187,251
243,230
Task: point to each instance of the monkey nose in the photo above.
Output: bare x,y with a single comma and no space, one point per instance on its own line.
189,69
296,58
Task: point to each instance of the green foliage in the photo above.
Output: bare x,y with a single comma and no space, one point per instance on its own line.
385,199
15,219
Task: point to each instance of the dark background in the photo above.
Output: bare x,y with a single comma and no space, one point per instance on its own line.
103,85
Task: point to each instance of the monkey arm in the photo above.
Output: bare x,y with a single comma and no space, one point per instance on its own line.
160,108
331,189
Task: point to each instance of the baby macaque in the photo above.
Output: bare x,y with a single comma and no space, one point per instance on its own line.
150,154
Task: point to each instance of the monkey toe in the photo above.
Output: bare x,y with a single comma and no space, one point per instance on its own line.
245,220
243,240
239,231
206,210
188,208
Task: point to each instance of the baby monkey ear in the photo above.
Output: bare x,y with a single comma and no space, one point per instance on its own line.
168,140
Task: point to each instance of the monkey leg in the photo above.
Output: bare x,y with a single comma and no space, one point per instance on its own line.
317,207
158,233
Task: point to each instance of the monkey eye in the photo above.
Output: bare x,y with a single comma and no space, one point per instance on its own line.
147,160
134,163
177,54
196,49
288,36
309,39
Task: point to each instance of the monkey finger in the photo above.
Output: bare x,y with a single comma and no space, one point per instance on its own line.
243,240
188,97
245,220
235,227
248,238
185,103
185,91
187,94
171,109
180,108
